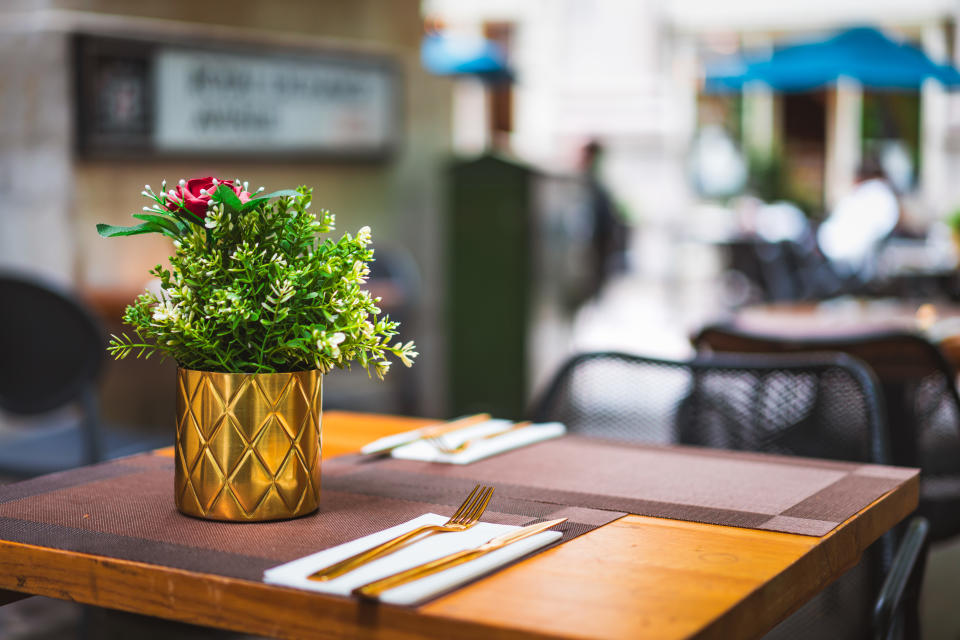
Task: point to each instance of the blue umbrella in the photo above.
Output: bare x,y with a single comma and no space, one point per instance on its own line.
862,54
450,56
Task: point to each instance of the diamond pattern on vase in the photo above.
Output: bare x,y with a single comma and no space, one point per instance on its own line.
273,443
291,478
205,479
188,431
207,406
227,443
250,482
248,445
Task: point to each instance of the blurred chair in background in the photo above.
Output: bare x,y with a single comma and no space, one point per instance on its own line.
825,406
51,356
919,397
395,278
785,270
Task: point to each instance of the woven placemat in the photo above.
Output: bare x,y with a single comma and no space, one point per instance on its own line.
124,509
741,489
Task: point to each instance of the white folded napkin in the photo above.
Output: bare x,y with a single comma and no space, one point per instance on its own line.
294,574
384,444
480,449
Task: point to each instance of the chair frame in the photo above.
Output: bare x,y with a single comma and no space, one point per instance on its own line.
856,368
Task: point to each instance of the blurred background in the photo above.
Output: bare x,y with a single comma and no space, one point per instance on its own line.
541,177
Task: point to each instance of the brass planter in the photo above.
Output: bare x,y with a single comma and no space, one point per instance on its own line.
248,445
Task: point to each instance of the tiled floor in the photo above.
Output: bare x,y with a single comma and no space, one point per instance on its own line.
939,612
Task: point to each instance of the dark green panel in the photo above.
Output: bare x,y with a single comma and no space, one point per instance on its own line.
489,285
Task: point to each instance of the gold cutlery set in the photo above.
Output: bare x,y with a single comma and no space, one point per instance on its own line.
438,442
436,436
465,517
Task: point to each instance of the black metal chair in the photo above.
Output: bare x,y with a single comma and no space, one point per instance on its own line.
824,406
895,614
920,399
51,356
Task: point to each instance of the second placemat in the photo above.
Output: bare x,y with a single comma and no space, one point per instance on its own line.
758,491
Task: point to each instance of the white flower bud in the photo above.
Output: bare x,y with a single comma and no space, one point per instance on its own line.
364,236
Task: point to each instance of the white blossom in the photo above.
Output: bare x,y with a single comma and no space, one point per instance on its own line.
364,236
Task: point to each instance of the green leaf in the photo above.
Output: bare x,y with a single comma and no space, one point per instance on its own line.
253,203
185,215
226,195
111,231
174,227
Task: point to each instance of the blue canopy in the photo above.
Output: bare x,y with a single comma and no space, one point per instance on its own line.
862,54
448,55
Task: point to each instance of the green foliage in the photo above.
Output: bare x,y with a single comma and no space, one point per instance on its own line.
253,288
953,220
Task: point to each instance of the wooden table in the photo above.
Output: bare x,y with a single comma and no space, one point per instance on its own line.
841,318
846,315
635,577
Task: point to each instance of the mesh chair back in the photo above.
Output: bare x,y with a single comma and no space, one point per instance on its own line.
822,406
51,348
825,405
920,400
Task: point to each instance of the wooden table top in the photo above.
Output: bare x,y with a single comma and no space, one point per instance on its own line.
850,316
841,318
635,577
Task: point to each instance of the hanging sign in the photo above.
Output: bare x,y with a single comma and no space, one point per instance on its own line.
173,100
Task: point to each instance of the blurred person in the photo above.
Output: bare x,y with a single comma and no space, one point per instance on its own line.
851,235
781,221
609,233
716,165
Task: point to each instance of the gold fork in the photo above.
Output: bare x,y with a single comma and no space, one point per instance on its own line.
465,517
438,443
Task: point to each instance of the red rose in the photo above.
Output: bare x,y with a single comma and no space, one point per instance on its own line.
194,195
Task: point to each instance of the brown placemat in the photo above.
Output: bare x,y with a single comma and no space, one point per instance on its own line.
124,509
741,489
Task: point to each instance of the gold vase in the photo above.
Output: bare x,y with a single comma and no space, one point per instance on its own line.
248,444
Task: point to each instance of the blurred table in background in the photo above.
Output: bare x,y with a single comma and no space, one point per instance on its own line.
849,317
915,268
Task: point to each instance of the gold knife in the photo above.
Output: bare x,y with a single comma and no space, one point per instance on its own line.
375,588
